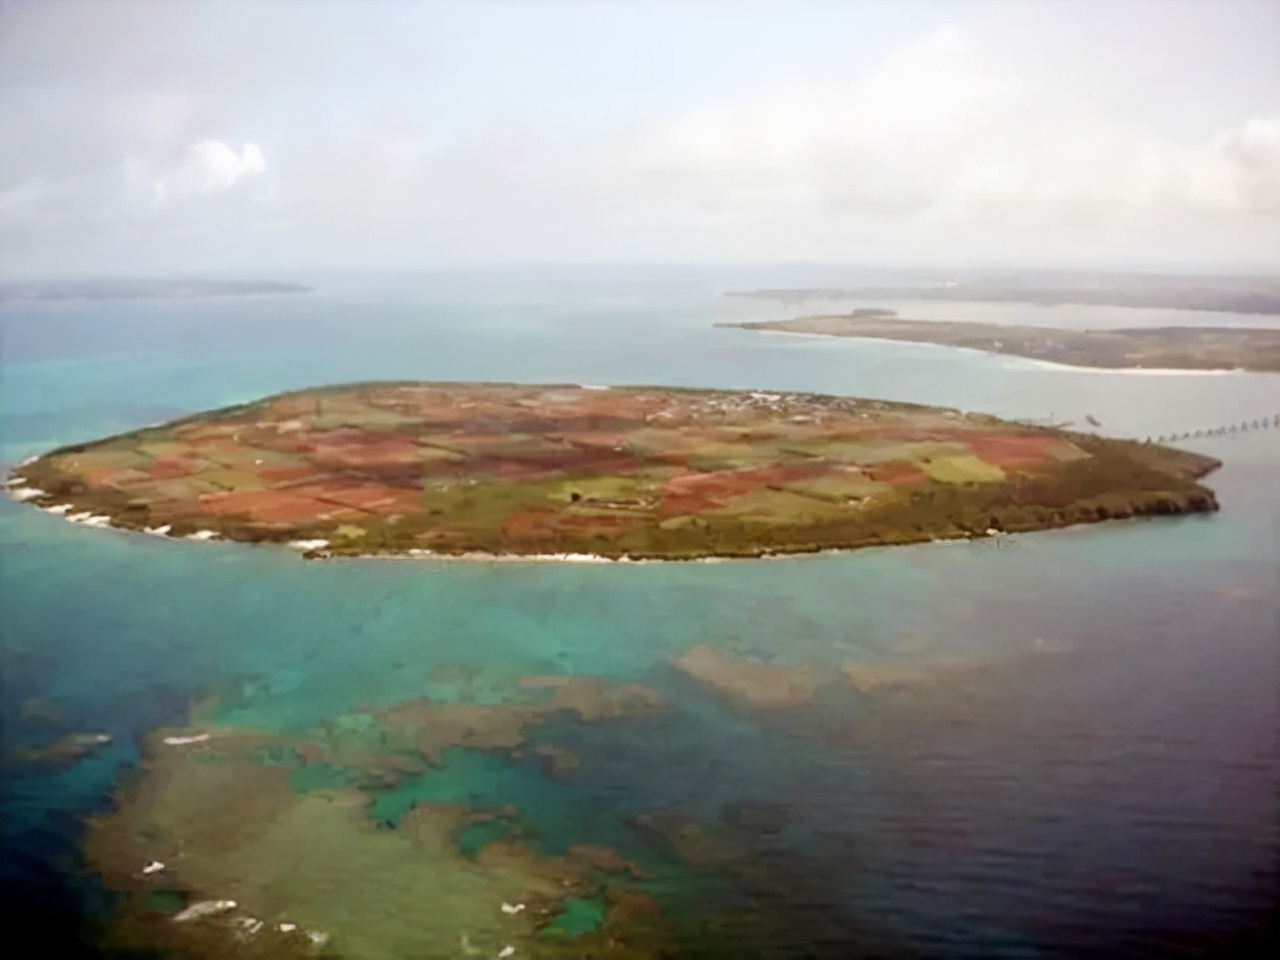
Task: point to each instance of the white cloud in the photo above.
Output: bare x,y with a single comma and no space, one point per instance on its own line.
938,131
964,142
207,167
1251,158
140,205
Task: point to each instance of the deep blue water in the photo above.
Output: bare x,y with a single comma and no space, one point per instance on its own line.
1120,799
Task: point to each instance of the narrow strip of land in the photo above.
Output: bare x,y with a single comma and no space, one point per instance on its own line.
1164,348
174,289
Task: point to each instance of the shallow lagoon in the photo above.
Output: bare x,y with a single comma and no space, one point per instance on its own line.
1123,790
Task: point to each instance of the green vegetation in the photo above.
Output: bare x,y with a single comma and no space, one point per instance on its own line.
962,469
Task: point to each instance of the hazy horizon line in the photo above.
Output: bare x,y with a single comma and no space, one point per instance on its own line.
1202,268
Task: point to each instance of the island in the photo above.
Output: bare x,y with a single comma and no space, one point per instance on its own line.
121,289
582,472
1167,348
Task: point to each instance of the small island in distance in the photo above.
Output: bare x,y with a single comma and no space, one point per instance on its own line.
448,469
1256,294
119,289
1152,348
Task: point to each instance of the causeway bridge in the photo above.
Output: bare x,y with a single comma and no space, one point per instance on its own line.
1269,422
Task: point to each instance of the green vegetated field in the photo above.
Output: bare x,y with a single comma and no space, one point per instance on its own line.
453,468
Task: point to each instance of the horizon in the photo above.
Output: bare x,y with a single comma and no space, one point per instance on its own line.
1260,269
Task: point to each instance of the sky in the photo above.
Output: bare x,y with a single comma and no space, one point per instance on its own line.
151,136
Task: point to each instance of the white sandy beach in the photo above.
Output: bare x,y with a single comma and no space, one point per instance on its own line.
1120,371
1013,360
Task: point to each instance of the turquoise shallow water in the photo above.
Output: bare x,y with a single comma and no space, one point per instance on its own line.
1123,799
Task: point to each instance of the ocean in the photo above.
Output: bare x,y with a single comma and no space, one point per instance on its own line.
1120,798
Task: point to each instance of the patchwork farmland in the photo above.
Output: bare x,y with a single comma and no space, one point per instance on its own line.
447,468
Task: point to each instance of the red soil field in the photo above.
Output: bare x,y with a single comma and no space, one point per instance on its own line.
1010,452
897,473
169,469
270,506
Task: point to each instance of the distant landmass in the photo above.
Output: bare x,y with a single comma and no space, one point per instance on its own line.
439,469
1174,348
143,289
1256,294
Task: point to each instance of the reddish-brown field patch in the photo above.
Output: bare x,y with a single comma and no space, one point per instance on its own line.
535,523
169,469
367,455
370,498
102,476
716,486
271,506
686,505
280,475
1006,452
896,472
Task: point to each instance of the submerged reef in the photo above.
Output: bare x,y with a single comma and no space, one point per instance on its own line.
236,842
476,823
